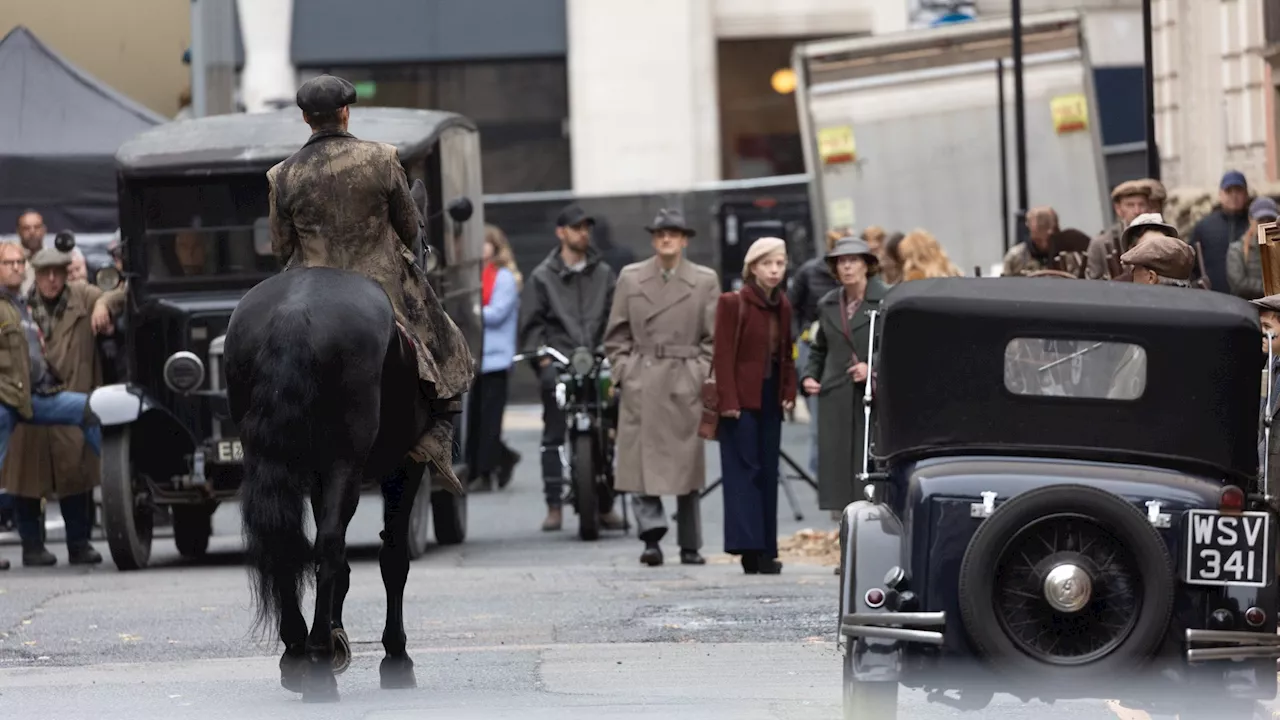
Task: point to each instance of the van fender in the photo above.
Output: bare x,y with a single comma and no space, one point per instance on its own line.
871,544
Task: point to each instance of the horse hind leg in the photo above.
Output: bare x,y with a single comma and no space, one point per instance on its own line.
293,633
398,493
340,495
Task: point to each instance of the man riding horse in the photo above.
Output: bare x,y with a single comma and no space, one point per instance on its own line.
345,203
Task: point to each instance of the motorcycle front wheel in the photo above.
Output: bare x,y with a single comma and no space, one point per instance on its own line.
585,498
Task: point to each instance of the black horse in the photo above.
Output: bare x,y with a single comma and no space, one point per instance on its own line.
324,389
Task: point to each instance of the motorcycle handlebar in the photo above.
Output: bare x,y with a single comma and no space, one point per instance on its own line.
543,351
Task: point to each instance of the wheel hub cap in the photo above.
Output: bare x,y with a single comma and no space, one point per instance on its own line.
1068,588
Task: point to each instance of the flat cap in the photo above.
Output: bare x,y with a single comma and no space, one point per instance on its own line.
1270,302
1155,189
325,93
1166,256
1130,187
50,257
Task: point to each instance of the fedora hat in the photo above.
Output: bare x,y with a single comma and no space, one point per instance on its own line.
670,219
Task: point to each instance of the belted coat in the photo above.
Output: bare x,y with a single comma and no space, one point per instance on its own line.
659,339
55,461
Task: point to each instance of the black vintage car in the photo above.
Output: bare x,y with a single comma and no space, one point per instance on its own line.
194,227
1065,502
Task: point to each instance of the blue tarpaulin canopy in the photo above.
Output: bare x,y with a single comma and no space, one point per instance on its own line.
59,132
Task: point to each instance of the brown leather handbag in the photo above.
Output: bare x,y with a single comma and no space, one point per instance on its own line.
710,421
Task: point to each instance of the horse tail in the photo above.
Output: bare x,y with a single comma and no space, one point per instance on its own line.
277,435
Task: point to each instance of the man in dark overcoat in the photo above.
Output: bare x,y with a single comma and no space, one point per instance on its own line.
44,462
345,203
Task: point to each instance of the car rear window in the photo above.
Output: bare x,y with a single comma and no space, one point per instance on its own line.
1075,368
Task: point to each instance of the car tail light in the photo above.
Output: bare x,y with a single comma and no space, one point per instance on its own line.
874,598
1255,616
1232,499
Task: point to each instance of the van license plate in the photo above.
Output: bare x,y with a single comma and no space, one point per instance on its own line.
230,451
1227,549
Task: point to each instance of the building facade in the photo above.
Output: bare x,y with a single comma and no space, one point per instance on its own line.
1215,90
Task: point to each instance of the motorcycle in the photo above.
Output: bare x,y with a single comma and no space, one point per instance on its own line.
584,391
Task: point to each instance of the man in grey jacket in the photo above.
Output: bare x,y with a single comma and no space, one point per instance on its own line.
570,294
1244,261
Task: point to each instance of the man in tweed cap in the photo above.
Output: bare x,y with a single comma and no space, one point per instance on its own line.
1158,259
1129,200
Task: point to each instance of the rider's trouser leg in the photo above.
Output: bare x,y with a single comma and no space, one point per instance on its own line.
553,431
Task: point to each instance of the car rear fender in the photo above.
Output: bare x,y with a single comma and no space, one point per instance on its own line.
871,541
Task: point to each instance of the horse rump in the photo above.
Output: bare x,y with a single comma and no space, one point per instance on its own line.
277,432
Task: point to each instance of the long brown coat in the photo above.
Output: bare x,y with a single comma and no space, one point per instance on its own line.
45,461
344,203
659,339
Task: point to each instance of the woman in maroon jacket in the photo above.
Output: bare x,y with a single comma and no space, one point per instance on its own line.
756,381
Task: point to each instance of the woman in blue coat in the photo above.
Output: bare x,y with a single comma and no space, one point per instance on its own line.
501,278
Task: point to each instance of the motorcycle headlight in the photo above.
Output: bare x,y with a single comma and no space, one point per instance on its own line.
183,372
582,361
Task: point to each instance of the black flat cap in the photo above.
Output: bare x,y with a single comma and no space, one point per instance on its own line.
573,215
325,93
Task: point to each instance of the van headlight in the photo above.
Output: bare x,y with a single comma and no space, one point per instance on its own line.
183,372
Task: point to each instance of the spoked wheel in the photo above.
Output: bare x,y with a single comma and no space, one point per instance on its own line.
1071,577
192,528
420,522
867,700
585,494
127,507
449,513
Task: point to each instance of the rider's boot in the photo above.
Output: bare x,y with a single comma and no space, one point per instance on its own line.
555,519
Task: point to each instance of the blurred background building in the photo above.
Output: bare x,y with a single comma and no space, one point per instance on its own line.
602,97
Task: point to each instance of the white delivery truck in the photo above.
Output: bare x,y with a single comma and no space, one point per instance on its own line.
903,131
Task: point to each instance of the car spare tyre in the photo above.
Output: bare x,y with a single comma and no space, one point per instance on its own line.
1066,580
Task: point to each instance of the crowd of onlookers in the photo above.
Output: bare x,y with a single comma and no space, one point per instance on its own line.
49,440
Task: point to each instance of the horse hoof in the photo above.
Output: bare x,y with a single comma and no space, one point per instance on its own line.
318,684
293,671
397,674
341,651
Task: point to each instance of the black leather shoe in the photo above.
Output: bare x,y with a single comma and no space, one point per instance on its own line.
770,566
750,563
507,471
652,556
84,555
38,557
691,557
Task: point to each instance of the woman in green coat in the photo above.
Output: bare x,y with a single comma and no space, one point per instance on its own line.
837,369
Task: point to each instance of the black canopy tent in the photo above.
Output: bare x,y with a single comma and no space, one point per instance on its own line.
59,132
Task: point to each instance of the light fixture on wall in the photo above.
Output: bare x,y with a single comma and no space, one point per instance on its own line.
783,81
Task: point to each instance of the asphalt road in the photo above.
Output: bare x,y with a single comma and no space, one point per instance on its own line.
514,621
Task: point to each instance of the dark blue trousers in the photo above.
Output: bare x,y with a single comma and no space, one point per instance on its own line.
749,454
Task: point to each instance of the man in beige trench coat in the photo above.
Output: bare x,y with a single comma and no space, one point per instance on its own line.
659,340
